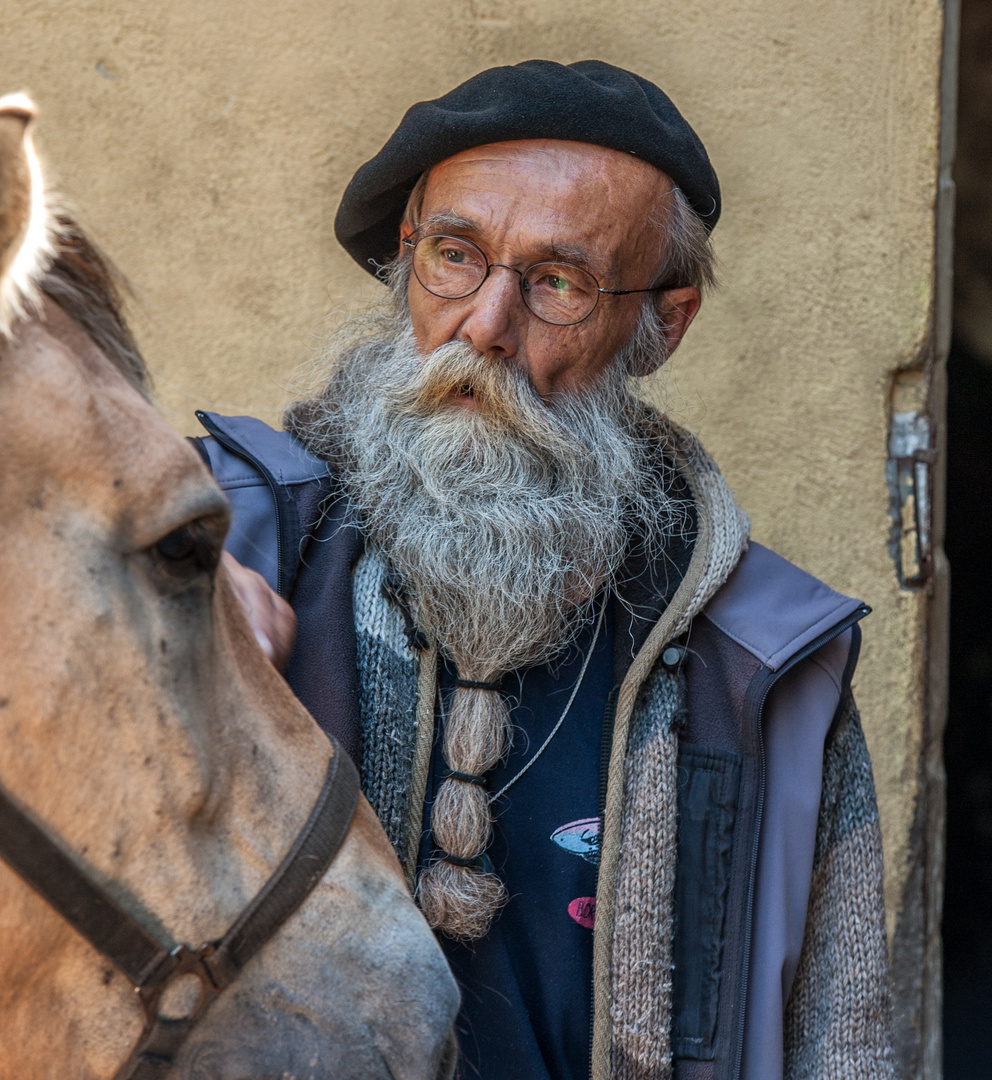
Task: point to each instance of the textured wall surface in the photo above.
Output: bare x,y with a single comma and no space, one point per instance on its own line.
206,145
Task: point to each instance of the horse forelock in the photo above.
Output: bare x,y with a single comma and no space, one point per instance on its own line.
90,290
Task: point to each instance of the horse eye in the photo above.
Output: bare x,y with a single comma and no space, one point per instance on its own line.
178,545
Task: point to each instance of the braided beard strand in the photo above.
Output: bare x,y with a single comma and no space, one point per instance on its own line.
504,520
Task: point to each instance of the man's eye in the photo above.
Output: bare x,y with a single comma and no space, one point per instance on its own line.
555,283
454,255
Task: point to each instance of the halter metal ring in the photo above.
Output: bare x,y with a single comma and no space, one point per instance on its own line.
181,961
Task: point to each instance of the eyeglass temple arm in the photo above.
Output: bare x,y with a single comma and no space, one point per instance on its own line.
627,292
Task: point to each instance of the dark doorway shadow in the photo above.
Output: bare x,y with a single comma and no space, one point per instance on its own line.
967,923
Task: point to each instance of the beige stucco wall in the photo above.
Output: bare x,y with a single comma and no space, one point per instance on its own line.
206,144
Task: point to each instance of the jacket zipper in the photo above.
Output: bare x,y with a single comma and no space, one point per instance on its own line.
609,718
236,448
818,643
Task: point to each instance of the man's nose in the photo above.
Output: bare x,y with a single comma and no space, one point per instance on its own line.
494,320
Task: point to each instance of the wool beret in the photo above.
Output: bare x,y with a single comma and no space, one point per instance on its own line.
591,102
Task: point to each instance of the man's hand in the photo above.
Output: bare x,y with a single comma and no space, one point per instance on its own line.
270,617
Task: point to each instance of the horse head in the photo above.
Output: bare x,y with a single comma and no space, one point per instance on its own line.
143,731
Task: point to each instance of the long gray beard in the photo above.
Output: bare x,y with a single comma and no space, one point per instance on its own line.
503,520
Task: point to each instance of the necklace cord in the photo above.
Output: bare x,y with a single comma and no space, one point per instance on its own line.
561,720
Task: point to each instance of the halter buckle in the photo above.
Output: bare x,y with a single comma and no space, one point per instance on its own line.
181,961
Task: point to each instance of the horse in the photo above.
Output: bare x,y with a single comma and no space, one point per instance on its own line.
150,751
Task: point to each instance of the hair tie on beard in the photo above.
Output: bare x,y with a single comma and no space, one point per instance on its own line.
474,684
465,777
478,862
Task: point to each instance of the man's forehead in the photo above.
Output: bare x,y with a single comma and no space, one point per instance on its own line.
565,200
555,162
549,179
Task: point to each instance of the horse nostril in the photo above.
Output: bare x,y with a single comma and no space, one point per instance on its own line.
449,1058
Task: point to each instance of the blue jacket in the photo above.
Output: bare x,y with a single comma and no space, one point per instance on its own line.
767,678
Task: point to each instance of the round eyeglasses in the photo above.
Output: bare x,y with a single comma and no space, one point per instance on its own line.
559,293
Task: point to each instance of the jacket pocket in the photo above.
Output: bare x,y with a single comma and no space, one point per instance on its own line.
709,785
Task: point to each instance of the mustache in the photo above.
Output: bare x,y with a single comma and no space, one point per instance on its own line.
500,390
505,405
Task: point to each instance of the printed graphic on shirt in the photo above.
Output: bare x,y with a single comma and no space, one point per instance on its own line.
580,838
583,911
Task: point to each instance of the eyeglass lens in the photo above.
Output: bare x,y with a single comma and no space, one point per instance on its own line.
452,267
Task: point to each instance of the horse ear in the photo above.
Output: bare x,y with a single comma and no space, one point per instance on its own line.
26,235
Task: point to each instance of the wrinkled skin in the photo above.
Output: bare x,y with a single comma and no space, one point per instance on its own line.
142,725
520,201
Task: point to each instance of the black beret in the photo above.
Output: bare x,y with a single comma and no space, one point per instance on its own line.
591,102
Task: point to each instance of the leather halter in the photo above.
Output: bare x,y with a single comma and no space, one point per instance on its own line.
151,964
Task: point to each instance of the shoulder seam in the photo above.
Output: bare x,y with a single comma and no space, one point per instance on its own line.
821,625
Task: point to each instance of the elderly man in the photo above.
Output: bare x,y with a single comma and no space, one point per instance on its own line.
613,744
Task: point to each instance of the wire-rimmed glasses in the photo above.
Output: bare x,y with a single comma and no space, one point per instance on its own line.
559,293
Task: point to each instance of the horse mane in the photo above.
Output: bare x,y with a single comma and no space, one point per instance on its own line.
91,290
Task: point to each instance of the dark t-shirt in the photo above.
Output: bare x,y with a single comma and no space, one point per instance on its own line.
527,986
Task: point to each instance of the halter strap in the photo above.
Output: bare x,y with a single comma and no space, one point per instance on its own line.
149,963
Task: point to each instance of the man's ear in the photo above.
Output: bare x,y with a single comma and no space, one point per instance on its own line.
676,309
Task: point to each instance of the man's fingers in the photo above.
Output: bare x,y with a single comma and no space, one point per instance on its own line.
279,629
267,647
272,620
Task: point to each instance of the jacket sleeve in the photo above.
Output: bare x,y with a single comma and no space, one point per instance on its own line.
837,1020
